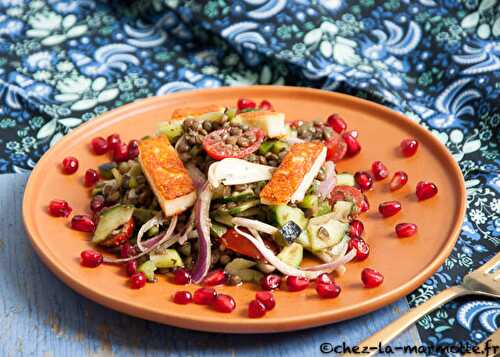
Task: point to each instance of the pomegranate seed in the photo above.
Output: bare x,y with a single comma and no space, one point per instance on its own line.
399,179
69,165
204,296
182,276
131,267
328,291
379,170
404,230
364,180
365,205
224,303
133,149
83,223
90,258
215,277
389,208
59,208
270,282
256,309
336,122
97,203
409,147
426,190
91,177
113,141
353,146
127,250
362,248
244,103
99,145
267,298
323,279
120,152
138,280
266,105
296,283
183,297
371,278
356,229
296,123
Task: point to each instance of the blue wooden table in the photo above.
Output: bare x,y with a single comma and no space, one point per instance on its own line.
40,316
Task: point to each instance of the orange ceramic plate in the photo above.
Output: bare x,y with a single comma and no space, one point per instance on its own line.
405,263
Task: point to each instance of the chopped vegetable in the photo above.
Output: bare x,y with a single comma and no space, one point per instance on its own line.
218,149
290,232
292,254
169,258
110,220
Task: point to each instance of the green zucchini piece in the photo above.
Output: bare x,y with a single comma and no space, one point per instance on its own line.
217,230
345,180
111,219
266,146
292,254
172,129
243,207
148,268
168,259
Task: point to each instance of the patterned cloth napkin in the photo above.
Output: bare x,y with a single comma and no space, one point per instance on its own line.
437,61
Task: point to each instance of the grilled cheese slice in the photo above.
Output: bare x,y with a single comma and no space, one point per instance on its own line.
167,175
183,113
294,176
272,123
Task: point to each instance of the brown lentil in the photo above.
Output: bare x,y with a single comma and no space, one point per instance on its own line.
224,259
233,279
244,142
207,125
235,131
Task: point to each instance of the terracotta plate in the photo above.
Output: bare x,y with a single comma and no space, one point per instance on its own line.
405,263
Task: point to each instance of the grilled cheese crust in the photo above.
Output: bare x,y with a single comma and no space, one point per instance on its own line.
182,113
293,177
273,123
167,175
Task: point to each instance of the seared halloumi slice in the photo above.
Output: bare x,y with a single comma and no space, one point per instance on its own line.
295,175
167,175
183,113
272,123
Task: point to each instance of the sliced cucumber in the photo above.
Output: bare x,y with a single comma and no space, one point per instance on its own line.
266,146
342,209
168,259
283,214
142,215
148,268
323,208
223,217
292,254
245,195
172,129
217,230
250,275
325,234
243,207
111,219
345,180
310,202
238,264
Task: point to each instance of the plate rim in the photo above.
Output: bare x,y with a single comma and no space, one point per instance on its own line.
214,324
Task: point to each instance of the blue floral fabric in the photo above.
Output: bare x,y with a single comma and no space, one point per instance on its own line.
63,62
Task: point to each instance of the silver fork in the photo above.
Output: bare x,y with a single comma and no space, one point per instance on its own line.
485,281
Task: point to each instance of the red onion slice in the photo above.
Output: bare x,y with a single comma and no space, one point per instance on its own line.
202,221
187,231
327,185
156,220
196,175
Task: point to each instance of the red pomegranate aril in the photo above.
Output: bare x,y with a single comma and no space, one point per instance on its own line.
99,145
183,297
361,247
127,250
244,103
113,141
267,298
379,170
266,105
138,280
131,267
90,258
69,165
97,203
215,277
83,223
204,296
404,230
336,122
256,309
371,278
182,276
328,291
353,146
296,283
133,149
399,179
120,152
91,177
365,205
363,180
270,282
426,190
224,303
59,208
409,147
389,208
323,279
356,228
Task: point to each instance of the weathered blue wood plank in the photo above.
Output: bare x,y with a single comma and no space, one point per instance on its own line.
40,316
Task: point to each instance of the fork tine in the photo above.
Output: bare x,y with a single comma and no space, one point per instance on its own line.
490,264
